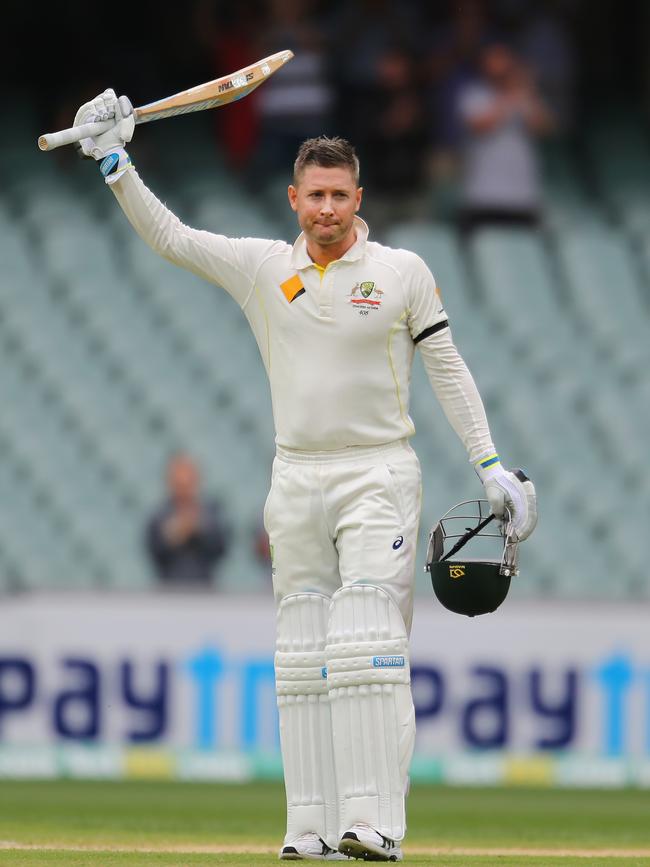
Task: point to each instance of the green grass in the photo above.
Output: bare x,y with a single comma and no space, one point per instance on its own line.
168,816
108,859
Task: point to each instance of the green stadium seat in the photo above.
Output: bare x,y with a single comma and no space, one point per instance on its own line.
236,217
606,296
440,248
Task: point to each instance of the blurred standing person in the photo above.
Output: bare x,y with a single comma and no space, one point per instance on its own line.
502,113
262,548
228,42
394,141
298,104
546,45
453,50
367,29
186,537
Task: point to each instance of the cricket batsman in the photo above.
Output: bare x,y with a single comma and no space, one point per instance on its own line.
337,319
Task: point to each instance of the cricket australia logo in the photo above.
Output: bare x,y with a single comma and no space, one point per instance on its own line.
365,296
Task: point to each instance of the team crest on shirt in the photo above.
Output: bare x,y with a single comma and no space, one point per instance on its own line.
365,296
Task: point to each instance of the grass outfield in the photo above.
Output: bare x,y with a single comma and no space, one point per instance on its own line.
136,823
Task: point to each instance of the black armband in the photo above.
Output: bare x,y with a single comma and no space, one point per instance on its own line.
433,329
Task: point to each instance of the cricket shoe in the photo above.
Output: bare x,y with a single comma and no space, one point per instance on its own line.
310,847
362,841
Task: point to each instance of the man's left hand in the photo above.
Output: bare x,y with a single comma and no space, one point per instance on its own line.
514,491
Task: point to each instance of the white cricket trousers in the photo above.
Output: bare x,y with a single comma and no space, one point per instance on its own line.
344,517
343,530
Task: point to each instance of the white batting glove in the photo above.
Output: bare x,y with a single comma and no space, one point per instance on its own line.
109,146
513,490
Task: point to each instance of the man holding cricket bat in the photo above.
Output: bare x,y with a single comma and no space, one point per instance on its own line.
337,319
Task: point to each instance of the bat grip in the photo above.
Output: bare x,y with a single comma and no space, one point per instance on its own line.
52,140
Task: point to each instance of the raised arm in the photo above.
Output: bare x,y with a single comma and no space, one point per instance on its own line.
228,262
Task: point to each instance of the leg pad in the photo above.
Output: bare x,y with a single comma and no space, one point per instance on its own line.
305,719
372,710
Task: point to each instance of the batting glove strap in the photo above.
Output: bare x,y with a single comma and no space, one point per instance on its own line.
114,164
512,490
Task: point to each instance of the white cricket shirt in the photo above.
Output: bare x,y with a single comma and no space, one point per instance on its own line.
337,346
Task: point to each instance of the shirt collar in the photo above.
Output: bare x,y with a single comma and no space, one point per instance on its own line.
300,258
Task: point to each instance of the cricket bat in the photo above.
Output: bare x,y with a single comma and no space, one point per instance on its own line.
212,94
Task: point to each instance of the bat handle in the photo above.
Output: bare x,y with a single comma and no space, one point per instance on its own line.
52,140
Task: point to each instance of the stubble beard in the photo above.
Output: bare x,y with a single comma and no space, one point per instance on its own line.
326,239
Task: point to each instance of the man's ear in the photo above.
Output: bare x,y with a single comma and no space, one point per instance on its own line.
292,193
359,197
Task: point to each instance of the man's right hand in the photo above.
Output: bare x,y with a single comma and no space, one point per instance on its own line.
103,107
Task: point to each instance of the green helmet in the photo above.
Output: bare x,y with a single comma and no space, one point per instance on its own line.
471,585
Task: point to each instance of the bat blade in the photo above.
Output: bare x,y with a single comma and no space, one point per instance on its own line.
212,94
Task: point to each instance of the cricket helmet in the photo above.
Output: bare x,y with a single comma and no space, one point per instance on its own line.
478,584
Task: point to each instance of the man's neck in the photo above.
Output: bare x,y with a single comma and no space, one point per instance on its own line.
323,255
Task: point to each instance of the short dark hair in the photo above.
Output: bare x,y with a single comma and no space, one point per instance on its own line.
328,153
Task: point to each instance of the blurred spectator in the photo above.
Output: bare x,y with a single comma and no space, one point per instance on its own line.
453,52
296,104
367,29
393,140
502,114
187,536
229,43
262,548
546,46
